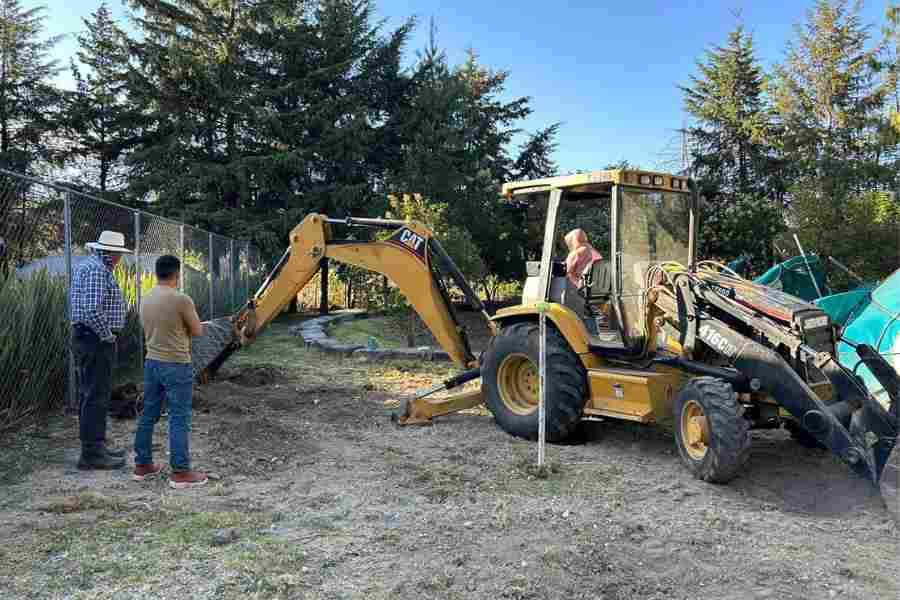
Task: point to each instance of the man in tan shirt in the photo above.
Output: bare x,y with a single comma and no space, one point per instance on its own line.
169,319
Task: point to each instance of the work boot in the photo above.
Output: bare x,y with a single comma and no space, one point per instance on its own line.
187,479
142,472
102,462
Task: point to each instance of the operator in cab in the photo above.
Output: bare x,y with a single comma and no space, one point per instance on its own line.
581,258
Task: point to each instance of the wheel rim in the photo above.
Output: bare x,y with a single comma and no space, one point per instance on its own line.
519,384
694,430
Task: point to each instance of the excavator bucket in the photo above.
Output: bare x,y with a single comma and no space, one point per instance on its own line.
211,349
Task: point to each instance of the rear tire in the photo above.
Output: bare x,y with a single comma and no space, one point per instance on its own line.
510,376
711,433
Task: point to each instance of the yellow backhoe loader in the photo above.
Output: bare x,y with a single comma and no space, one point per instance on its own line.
648,333
411,257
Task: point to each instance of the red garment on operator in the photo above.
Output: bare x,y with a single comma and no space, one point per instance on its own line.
581,255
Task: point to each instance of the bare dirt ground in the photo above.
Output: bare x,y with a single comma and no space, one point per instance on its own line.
318,495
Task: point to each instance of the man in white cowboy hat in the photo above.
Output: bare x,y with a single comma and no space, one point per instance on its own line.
98,315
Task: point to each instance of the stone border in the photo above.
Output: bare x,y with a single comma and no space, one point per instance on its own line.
314,334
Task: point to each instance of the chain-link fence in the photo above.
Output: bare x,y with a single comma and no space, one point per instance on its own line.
44,230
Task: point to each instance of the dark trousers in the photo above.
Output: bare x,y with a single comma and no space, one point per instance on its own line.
96,361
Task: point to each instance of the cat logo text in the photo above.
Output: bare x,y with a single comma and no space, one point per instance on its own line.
409,240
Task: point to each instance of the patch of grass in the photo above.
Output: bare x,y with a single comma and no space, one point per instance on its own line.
523,476
146,547
388,332
438,583
439,482
325,521
84,501
552,556
528,467
275,346
29,450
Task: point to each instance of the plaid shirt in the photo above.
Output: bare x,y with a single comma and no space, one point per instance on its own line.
96,299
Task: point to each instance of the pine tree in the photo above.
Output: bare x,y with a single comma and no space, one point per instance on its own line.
100,121
732,123
195,83
28,99
829,103
891,68
536,155
731,158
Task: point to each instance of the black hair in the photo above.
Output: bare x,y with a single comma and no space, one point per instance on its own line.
167,266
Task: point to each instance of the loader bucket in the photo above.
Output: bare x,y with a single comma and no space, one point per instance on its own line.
890,483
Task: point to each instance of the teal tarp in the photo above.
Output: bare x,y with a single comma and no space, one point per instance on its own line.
877,324
841,306
792,277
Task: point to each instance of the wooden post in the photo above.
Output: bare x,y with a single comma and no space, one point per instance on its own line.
411,328
542,394
323,298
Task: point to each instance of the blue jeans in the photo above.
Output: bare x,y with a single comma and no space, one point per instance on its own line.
176,382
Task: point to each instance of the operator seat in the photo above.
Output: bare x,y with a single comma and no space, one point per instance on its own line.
598,282
606,338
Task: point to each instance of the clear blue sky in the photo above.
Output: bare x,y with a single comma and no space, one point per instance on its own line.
609,73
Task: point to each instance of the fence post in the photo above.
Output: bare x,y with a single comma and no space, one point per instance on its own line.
246,277
71,401
181,251
138,274
231,274
212,271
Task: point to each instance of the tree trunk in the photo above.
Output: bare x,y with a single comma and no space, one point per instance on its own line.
348,293
104,175
323,298
411,328
384,291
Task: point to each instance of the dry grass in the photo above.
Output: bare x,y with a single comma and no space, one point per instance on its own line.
85,501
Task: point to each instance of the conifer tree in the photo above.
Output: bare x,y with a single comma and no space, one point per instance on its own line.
28,99
100,122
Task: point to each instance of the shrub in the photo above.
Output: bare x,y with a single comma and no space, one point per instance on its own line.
34,338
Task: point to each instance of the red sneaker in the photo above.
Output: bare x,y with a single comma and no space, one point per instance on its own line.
187,479
142,472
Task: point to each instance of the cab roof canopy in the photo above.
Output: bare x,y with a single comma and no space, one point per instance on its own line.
642,179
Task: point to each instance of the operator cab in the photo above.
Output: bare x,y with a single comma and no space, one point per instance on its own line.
634,219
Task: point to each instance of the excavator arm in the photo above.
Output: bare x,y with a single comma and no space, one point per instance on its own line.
411,257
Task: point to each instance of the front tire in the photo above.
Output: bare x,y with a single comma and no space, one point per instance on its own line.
802,436
511,382
711,433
